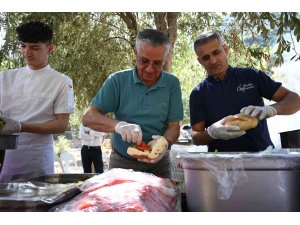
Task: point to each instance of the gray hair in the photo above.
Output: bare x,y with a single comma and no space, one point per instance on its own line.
154,38
206,37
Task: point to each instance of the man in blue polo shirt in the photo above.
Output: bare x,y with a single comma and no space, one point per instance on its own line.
228,91
146,103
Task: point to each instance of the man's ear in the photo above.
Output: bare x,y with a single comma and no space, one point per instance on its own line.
50,48
226,48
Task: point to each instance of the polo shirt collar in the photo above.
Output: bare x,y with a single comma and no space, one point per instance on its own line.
227,76
160,83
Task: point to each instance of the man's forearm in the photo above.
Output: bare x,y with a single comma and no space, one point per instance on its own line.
97,121
172,133
289,105
54,126
201,138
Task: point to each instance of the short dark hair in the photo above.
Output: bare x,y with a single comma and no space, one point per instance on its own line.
153,37
206,37
34,31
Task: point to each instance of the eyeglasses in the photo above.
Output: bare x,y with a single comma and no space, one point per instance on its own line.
143,62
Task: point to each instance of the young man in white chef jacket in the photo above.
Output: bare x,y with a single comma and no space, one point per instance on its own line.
35,102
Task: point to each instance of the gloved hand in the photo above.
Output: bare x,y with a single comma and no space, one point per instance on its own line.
11,126
261,111
130,132
162,154
219,131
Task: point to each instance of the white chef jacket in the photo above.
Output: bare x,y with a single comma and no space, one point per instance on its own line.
90,137
33,96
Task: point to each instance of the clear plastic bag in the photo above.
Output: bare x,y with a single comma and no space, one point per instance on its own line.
120,190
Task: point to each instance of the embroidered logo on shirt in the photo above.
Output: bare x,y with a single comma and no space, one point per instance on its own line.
244,87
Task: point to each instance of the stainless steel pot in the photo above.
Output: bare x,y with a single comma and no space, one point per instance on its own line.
242,182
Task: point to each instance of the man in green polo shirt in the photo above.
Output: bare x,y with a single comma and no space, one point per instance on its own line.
146,103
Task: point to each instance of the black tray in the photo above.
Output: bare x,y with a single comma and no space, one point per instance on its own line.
8,141
14,197
290,139
64,178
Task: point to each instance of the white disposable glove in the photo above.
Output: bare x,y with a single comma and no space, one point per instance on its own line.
11,126
162,154
261,112
130,132
219,131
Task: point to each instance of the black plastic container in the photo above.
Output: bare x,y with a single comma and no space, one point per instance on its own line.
290,139
8,141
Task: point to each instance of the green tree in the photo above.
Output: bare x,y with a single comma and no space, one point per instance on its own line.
90,46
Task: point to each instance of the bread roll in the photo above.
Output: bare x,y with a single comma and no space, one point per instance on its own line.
157,147
136,153
244,122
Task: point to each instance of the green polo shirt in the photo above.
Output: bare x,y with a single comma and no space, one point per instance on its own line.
124,94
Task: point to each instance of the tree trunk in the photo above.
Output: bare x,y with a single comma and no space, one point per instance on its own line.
131,23
167,23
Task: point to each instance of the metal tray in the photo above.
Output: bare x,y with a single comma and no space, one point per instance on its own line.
8,141
40,193
63,178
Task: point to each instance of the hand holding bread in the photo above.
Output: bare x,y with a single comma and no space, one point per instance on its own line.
219,131
244,122
152,151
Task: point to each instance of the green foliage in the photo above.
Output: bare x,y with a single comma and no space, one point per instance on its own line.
269,26
188,70
75,119
90,46
61,145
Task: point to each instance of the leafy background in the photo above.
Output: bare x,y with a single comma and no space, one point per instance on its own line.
90,46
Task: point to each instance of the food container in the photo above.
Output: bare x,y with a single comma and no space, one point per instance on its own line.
63,178
40,193
290,139
34,196
8,141
242,182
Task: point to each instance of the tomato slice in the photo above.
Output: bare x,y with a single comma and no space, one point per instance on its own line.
143,146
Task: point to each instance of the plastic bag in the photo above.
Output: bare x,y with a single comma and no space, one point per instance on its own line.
120,190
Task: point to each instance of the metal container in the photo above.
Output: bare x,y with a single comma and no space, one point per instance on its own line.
64,178
290,139
40,193
242,182
8,141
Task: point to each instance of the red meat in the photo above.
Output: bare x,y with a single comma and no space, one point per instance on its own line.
120,190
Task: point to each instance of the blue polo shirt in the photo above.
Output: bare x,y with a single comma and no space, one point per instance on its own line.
124,94
214,99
